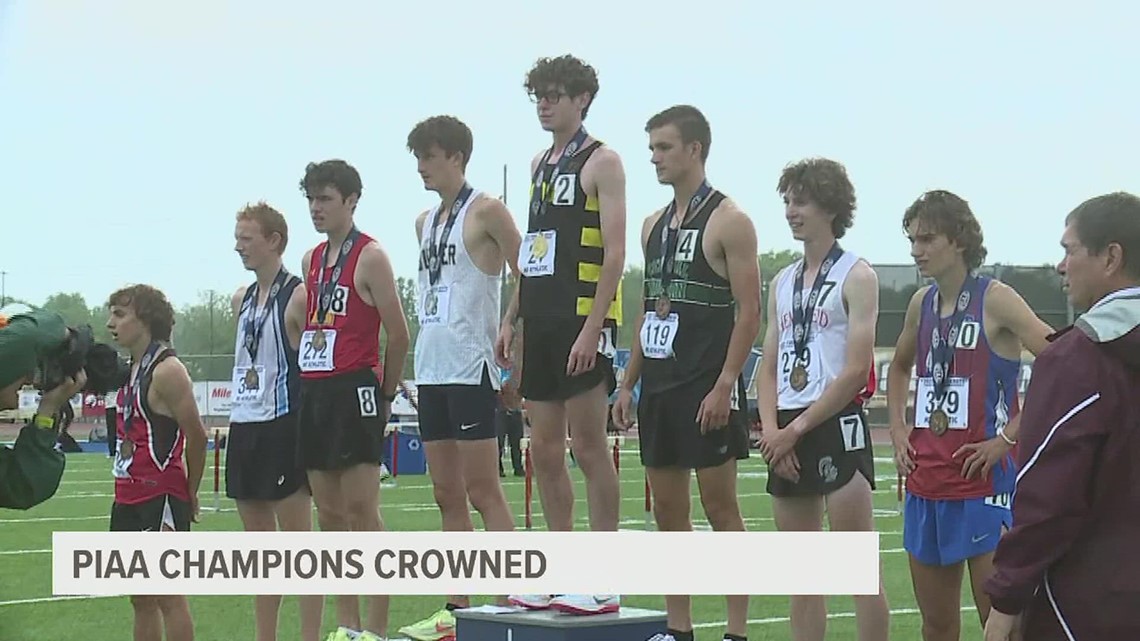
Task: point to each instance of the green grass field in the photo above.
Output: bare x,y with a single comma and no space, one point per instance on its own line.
29,612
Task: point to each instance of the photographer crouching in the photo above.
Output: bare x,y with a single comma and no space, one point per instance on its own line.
38,348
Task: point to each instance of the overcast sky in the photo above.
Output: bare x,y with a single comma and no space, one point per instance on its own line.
131,132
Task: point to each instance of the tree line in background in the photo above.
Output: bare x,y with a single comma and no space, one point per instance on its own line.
204,332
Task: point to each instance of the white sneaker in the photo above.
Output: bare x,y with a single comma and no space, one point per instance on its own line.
531,601
586,603
385,474
661,636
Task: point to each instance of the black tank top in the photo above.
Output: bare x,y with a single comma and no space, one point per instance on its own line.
701,298
574,216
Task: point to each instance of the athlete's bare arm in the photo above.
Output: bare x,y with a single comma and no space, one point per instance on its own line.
235,301
506,338
736,239
495,220
420,220
174,397
898,383
788,467
295,316
306,260
1014,315
622,410
604,170
861,295
380,287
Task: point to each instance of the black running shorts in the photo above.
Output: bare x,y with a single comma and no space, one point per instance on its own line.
829,455
457,412
261,460
163,512
546,349
341,422
670,435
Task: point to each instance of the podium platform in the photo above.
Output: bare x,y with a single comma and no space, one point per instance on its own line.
628,624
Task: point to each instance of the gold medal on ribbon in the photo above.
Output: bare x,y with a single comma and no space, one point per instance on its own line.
251,380
319,341
663,306
799,378
939,422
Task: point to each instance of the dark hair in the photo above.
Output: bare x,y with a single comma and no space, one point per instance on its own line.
449,132
1111,218
567,72
688,120
150,306
946,213
336,173
826,184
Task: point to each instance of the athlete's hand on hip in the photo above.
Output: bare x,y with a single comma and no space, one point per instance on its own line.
715,408
1003,627
623,409
503,344
904,451
584,352
982,457
194,505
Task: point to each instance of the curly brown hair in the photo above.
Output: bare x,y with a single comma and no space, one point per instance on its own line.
825,183
943,212
564,72
449,133
269,219
150,306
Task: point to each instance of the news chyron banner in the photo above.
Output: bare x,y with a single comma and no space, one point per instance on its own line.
442,563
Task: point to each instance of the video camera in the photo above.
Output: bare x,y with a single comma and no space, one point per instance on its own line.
106,371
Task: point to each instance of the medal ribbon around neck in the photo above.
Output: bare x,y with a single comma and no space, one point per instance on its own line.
539,203
325,290
801,314
942,347
132,392
670,237
255,324
435,248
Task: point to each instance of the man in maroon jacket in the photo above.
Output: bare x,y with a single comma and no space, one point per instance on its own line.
1068,570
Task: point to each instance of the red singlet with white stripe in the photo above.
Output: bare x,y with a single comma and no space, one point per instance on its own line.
148,458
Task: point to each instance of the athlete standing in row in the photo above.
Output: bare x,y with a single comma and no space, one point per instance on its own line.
818,347
964,336
156,490
465,241
262,472
571,261
701,316
351,294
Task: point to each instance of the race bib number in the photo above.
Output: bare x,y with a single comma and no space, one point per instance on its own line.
1004,501
243,393
853,431
565,188
121,467
536,254
316,355
435,305
606,345
657,335
956,404
788,363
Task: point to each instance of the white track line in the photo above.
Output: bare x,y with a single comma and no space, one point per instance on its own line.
833,615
